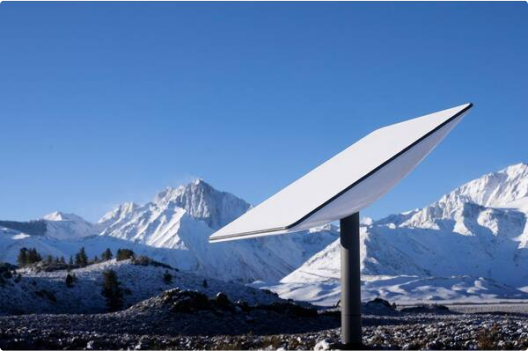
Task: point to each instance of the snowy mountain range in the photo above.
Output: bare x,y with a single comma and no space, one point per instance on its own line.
469,245
173,228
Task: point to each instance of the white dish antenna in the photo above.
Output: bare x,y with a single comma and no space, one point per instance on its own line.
349,181
341,187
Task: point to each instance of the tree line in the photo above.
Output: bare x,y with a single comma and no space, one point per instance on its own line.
112,288
27,257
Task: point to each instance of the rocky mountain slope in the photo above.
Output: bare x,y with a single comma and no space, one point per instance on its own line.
470,244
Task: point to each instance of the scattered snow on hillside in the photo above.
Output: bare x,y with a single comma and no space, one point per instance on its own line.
46,292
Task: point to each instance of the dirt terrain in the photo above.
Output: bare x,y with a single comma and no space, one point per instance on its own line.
181,319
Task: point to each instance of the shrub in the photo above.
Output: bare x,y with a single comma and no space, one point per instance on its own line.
167,277
141,260
46,294
124,254
69,280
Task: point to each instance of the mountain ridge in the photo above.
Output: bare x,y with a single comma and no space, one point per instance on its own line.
475,236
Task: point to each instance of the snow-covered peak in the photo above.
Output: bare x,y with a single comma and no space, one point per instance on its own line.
61,225
166,194
505,188
325,228
118,214
494,189
180,221
203,202
61,216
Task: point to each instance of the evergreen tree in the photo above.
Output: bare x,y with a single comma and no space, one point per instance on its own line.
22,258
167,277
205,284
62,260
112,291
107,255
96,259
33,256
49,259
81,259
70,262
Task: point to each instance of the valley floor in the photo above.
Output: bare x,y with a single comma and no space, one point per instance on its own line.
141,328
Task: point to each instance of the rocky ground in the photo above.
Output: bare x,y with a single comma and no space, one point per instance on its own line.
180,319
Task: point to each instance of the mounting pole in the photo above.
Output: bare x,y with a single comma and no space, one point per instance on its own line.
350,283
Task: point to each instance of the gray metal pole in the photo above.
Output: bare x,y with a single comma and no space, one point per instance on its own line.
350,282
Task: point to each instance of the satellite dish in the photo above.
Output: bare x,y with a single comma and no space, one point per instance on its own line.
341,187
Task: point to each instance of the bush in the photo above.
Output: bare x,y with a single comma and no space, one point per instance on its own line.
6,272
46,294
112,291
141,260
70,279
167,277
124,254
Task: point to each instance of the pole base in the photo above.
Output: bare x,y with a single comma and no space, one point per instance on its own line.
350,347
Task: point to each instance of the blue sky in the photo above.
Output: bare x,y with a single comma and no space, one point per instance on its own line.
102,103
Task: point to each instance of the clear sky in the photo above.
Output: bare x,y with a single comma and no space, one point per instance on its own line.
102,103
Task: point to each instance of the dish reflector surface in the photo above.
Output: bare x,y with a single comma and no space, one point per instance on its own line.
349,181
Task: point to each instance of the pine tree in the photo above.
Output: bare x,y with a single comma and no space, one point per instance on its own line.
112,291
205,284
70,262
62,260
167,277
96,259
22,258
33,256
81,259
49,259
107,255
